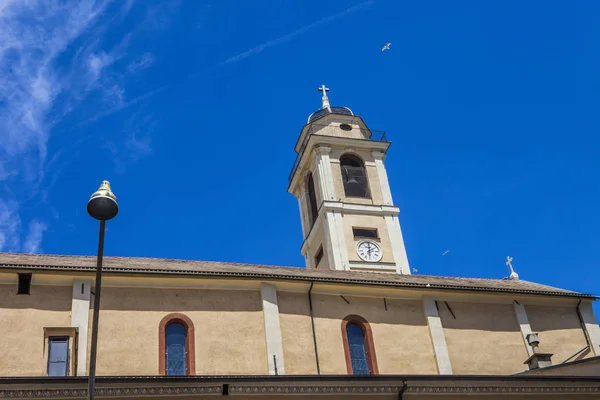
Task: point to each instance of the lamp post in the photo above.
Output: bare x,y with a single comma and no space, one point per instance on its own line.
102,206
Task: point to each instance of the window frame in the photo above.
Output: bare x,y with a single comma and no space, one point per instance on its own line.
55,340
72,334
357,228
190,346
369,345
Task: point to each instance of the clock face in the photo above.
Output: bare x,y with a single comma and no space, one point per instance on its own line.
369,251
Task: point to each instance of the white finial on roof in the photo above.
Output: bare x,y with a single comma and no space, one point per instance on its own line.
325,99
513,274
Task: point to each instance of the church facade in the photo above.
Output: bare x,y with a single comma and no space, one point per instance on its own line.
355,321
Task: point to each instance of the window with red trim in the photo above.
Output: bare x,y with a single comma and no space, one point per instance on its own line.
358,346
176,349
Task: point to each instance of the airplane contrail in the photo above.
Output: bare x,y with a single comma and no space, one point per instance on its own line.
236,58
290,36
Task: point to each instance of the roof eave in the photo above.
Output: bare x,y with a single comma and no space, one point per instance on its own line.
279,277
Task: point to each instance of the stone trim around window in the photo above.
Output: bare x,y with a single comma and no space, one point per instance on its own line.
189,343
370,347
71,332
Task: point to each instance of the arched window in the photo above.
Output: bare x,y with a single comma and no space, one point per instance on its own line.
176,346
358,346
312,198
354,176
176,353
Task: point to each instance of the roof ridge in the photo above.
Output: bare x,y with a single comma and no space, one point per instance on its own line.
177,260
234,263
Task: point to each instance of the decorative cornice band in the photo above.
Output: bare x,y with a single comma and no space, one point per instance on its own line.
107,392
322,149
370,209
299,389
262,390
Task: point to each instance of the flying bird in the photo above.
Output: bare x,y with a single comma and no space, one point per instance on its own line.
386,47
445,252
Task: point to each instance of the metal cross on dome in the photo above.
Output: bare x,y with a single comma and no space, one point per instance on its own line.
325,99
324,90
513,274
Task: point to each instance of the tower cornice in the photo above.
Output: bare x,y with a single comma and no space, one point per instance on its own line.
333,141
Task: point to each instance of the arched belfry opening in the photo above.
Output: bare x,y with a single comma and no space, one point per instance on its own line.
354,176
312,198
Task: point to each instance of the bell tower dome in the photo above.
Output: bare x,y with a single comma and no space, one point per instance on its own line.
349,221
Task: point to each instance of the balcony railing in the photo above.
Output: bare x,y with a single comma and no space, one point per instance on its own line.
336,131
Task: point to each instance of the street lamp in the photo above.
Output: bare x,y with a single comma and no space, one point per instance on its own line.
102,206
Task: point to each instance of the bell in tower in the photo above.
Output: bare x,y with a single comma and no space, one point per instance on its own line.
349,221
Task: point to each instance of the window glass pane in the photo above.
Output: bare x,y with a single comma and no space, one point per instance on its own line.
176,349
58,356
365,233
358,354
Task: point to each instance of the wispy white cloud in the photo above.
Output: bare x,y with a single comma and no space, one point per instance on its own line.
151,18
51,59
10,225
141,63
29,82
34,237
5,173
97,62
33,34
122,106
159,16
137,132
297,32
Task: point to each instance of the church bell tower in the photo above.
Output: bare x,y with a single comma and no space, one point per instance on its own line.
349,221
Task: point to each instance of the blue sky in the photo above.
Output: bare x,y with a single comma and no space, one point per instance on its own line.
191,109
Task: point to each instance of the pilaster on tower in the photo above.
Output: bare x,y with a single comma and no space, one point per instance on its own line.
349,220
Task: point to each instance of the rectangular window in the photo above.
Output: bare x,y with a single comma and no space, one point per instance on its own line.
60,351
24,284
365,233
58,356
318,256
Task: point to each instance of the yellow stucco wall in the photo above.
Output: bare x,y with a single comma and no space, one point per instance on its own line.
400,334
579,368
317,239
367,221
559,330
331,127
483,339
296,333
229,330
230,338
374,185
22,322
